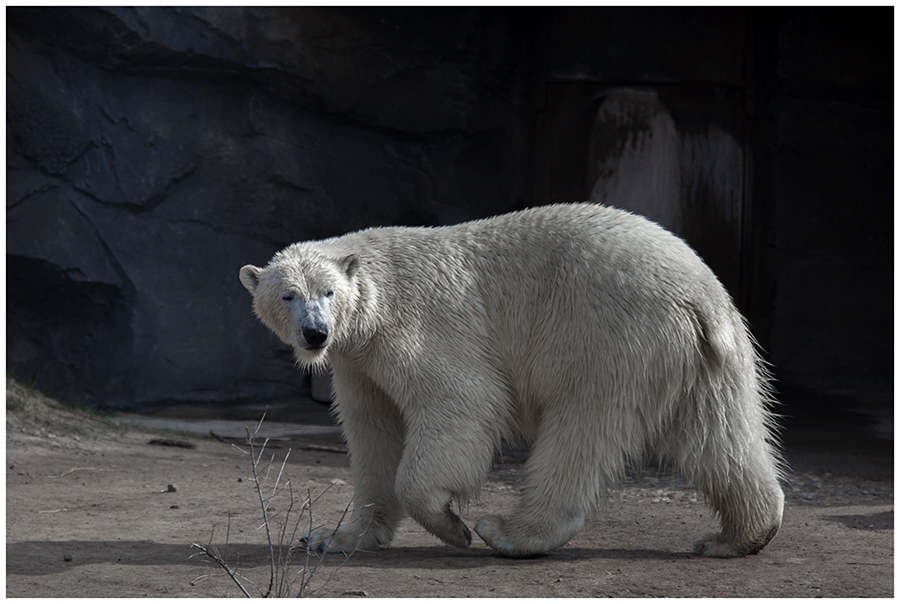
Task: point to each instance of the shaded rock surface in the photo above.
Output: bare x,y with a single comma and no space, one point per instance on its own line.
151,152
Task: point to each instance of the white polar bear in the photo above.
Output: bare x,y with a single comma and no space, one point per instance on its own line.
591,332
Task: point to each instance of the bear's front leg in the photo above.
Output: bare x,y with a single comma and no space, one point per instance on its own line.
443,460
374,431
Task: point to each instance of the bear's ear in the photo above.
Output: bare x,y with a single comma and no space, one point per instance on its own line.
250,277
349,264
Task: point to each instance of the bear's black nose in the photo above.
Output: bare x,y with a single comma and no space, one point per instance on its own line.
315,336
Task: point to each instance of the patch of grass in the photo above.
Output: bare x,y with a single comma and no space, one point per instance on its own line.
29,409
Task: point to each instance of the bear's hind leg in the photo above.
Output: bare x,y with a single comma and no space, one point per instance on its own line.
749,504
736,468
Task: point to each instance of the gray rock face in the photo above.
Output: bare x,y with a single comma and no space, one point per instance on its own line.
153,152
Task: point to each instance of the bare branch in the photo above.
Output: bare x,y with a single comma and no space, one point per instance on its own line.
280,580
215,558
262,503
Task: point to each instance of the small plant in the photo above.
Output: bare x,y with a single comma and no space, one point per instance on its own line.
283,538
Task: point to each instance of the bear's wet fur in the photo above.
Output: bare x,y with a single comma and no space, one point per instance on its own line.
589,331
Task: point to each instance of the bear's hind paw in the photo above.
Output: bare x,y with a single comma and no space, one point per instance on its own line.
714,545
492,529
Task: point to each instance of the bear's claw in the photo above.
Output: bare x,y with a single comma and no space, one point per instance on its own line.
325,540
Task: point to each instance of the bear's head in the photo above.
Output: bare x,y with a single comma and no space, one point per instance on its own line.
304,295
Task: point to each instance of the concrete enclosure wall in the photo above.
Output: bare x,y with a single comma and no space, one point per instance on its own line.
151,152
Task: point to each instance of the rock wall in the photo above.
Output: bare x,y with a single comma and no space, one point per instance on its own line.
823,193
154,151
151,152
765,138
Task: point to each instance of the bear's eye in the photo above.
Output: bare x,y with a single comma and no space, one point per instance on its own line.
287,297
329,293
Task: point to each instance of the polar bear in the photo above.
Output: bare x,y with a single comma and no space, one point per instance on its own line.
591,332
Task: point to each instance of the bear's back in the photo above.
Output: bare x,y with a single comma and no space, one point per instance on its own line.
533,255
566,272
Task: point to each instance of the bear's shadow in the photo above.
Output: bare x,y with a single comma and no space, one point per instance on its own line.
447,557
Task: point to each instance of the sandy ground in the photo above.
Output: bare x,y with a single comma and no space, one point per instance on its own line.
90,513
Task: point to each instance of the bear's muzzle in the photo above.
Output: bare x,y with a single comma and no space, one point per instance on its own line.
315,336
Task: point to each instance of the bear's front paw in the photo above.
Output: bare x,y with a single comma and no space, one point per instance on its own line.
346,539
459,534
323,540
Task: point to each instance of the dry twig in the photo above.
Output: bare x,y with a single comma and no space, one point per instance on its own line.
213,553
282,550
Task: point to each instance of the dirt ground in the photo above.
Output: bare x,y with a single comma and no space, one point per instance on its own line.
99,508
